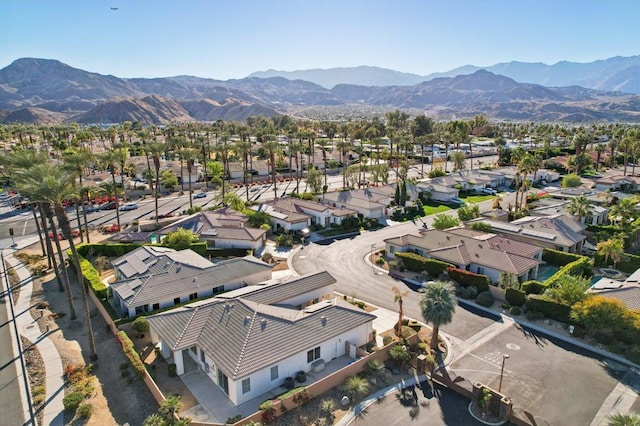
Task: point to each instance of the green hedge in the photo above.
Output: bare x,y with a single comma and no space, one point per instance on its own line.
559,258
108,250
466,279
533,287
582,266
549,308
91,276
130,352
515,297
417,263
629,264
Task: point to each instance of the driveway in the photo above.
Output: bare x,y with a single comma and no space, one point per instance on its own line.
419,406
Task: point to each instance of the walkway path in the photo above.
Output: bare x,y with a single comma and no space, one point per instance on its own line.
28,328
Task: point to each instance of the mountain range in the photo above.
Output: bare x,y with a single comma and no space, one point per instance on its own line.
49,91
614,74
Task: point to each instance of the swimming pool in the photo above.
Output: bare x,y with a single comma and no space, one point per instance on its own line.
545,272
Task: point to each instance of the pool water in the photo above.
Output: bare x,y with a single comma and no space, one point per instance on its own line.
595,279
545,272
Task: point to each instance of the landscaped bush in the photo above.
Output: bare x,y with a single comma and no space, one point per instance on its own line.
72,401
130,352
559,258
533,287
485,299
549,308
91,276
172,369
580,267
108,250
85,410
466,279
470,292
515,297
417,263
629,264
515,310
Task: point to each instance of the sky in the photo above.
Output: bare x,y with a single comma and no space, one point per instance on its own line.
233,38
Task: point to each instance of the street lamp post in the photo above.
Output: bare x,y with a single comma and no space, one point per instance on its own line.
373,246
504,358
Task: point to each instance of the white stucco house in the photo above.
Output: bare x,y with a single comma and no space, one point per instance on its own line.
474,251
249,344
151,278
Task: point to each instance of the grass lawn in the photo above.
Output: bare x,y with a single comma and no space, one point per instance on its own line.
429,210
476,198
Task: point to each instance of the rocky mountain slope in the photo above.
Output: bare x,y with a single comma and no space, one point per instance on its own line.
47,90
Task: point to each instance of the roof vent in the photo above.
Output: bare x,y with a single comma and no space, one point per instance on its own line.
247,319
263,323
195,279
323,319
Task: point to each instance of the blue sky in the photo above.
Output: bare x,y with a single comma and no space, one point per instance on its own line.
232,38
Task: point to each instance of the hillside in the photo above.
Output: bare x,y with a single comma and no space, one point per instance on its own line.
49,91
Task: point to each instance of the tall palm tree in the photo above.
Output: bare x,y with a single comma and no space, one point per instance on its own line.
76,162
624,212
437,304
109,160
189,155
156,150
271,145
42,183
579,206
398,298
613,249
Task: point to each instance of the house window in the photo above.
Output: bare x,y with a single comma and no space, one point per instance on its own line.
156,306
202,356
193,296
176,301
218,290
313,354
480,270
274,372
139,310
246,385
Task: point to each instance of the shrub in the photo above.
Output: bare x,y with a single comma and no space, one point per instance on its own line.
582,266
485,299
515,297
533,287
399,354
141,325
85,410
466,279
549,308
374,367
386,340
173,370
417,263
534,315
407,332
469,293
130,352
72,401
559,258
629,264
515,310
379,261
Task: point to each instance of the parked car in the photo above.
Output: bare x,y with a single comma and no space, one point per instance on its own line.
200,195
456,201
128,206
488,191
111,205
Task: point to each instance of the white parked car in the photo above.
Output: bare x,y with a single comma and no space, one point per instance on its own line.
488,191
128,206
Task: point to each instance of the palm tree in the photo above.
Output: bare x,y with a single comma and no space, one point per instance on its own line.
438,304
624,420
357,386
76,162
579,206
272,146
156,150
398,298
189,155
612,248
624,212
109,160
50,186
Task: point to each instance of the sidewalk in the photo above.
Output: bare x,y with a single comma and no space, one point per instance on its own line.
28,328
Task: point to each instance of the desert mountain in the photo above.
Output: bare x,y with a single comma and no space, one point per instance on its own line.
613,74
76,95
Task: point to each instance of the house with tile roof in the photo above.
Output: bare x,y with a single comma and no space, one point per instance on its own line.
151,278
475,251
222,228
627,291
549,207
293,214
557,231
368,202
248,344
618,183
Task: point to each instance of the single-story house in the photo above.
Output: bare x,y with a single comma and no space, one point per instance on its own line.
285,213
151,278
362,201
438,192
549,207
557,232
618,183
474,251
247,347
222,228
627,291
